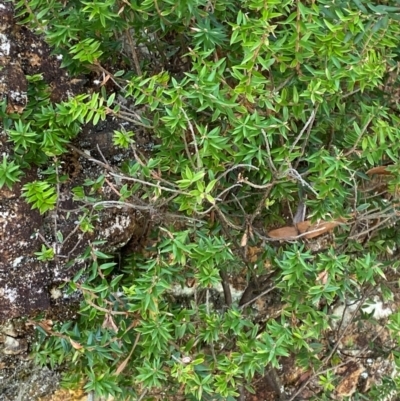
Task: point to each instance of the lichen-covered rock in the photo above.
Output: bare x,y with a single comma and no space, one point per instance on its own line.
27,285
25,282
21,275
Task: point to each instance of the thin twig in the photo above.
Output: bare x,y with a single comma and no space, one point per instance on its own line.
250,184
293,173
257,297
354,147
350,93
269,158
226,221
306,125
373,228
123,177
124,116
112,187
191,129
226,287
218,198
99,68
102,156
305,142
120,204
273,379
261,203
90,158
225,173
208,313
58,197
133,52
143,394
189,156
71,234
43,240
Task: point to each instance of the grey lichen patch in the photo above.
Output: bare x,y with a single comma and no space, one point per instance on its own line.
56,293
9,295
121,223
20,97
6,16
14,346
117,226
27,382
5,45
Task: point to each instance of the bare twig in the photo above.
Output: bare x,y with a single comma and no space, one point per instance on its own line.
143,394
269,157
236,166
133,52
307,126
208,312
43,240
122,366
58,197
120,204
303,146
90,158
274,381
189,156
226,221
226,287
373,228
176,191
284,83
97,67
293,173
191,129
350,93
127,116
112,187
250,184
70,235
102,156
261,203
218,198
257,297
354,147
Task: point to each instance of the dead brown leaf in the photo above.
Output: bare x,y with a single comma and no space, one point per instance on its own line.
317,229
322,277
75,344
379,170
305,229
243,241
284,233
348,385
109,323
122,366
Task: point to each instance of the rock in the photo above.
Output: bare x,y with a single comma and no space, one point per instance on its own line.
22,278
9,330
26,284
13,346
25,381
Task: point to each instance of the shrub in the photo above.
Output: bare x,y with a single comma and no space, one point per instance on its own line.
257,109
